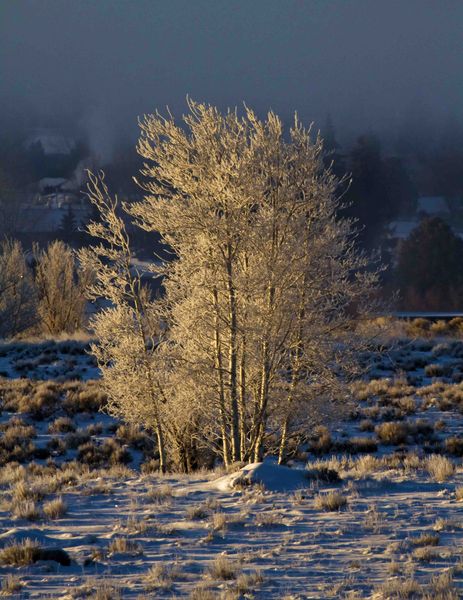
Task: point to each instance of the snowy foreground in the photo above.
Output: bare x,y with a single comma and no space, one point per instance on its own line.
344,523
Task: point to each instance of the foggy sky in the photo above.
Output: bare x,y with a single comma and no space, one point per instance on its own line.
370,63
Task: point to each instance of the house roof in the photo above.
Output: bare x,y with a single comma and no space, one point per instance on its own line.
51,182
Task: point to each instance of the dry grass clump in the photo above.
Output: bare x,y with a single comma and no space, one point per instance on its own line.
10,585
202,593
43,402
459,494
131,435
100,590
366,465
12,391
197,512
247,582
440,468
21,554
330,501
383,388
61,425
223,568
435,370
219,522
373,520
392,433
159,495
108,453
85,397
26,509
454,445
23,490
366,425
406,405
398,589
55,509
425,539
77,438
122,545
321,441
161,576
440,587
361,445
268,519
425,553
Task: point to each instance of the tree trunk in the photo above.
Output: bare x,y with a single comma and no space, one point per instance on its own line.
232,359
161,448
283,442
219,368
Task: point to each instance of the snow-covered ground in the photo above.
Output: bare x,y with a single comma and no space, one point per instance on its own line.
343,523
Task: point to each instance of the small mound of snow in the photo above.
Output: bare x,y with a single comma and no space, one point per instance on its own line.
274,477
17,536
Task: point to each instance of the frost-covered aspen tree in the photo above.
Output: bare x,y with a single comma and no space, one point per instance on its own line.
60,286
266,284
261,298
17,294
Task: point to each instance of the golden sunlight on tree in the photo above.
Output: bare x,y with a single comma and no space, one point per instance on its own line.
255,334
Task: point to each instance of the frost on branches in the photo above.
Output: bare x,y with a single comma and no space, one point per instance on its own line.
254,338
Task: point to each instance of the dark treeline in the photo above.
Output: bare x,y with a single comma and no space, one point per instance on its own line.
384,183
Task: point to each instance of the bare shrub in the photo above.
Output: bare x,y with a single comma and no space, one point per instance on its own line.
223,568
197,511
88,397
322,441
21,554
161,576
268,519
26,509
366,425
159,495
61,425
10,585
361,444
55,509
202,593
330,501
247,582
454,445
108,453
425,539
439,467
434,370
398,589
122,545
425,553
392,433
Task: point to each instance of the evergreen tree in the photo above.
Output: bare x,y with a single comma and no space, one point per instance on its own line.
429,270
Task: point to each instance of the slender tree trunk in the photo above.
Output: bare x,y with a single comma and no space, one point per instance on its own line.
295,372
219,368
232,359
283,441
242,400
161,448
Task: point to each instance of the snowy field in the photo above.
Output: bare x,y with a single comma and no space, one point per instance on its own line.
371,508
